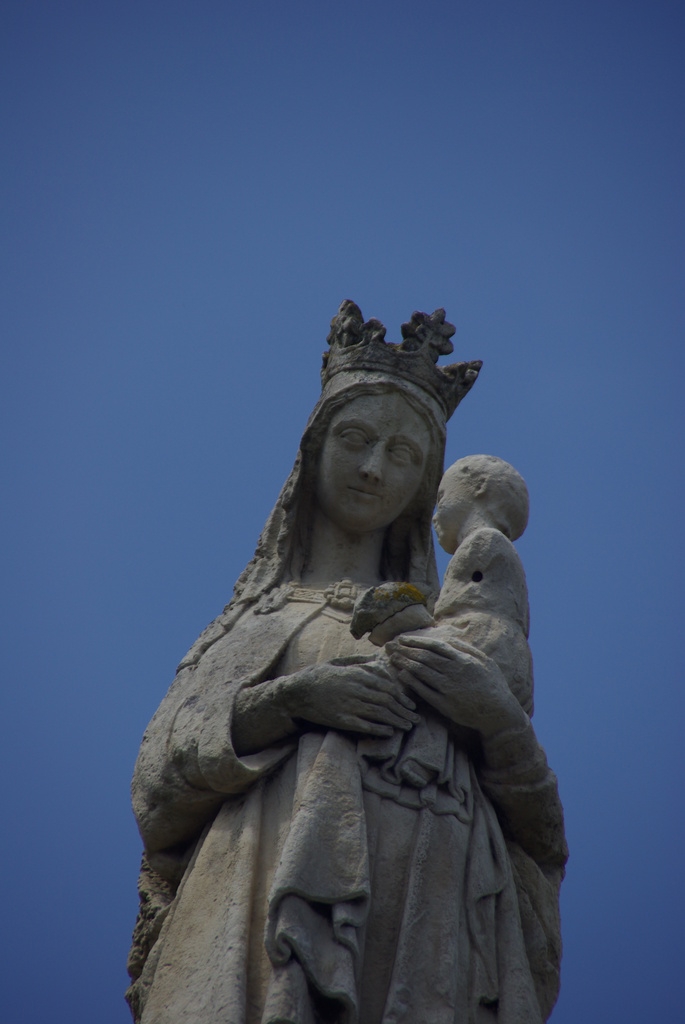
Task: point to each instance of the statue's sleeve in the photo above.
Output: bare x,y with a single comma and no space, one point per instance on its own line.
524,793
524,790
187,766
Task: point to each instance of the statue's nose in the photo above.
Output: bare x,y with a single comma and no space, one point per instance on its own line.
371,468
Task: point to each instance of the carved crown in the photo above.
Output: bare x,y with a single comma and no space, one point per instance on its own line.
357,345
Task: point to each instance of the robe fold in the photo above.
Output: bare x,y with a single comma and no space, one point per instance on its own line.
310,895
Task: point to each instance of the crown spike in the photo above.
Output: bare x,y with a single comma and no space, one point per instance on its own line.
356,345
432,331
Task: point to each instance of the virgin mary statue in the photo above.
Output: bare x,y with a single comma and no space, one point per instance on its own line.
277,887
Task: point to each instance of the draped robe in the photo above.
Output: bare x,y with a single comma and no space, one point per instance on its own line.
309,897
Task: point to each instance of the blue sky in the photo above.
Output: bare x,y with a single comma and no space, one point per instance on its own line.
189,191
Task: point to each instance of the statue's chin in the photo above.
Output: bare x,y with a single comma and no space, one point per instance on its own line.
357,514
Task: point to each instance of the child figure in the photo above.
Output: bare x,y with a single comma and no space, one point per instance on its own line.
482,508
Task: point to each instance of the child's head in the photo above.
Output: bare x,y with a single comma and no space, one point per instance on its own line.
478,491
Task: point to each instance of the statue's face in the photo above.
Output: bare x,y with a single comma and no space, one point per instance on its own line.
372,462
455,504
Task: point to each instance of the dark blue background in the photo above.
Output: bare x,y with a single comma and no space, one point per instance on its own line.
189,191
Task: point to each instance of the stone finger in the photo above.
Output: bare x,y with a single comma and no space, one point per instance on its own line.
377,669
391,696
390,702
396,716
419,670
369,728
455,650
389,686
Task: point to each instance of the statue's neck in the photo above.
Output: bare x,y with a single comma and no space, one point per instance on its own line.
334,554
477,519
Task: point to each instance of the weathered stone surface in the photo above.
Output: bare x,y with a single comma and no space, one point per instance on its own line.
338,832
480,490
482,502
405,604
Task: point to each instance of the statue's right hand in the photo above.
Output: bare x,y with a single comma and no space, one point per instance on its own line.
362,698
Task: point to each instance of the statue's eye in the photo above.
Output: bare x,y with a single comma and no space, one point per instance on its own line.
401,453
354,437
477,576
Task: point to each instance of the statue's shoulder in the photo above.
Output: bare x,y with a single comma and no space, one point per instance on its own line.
248,637
484,546
217,628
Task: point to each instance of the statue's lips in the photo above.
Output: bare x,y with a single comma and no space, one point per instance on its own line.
360,490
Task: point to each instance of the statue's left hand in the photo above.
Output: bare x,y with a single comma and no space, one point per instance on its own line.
458,680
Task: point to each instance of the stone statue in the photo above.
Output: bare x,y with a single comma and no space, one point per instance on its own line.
285,880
